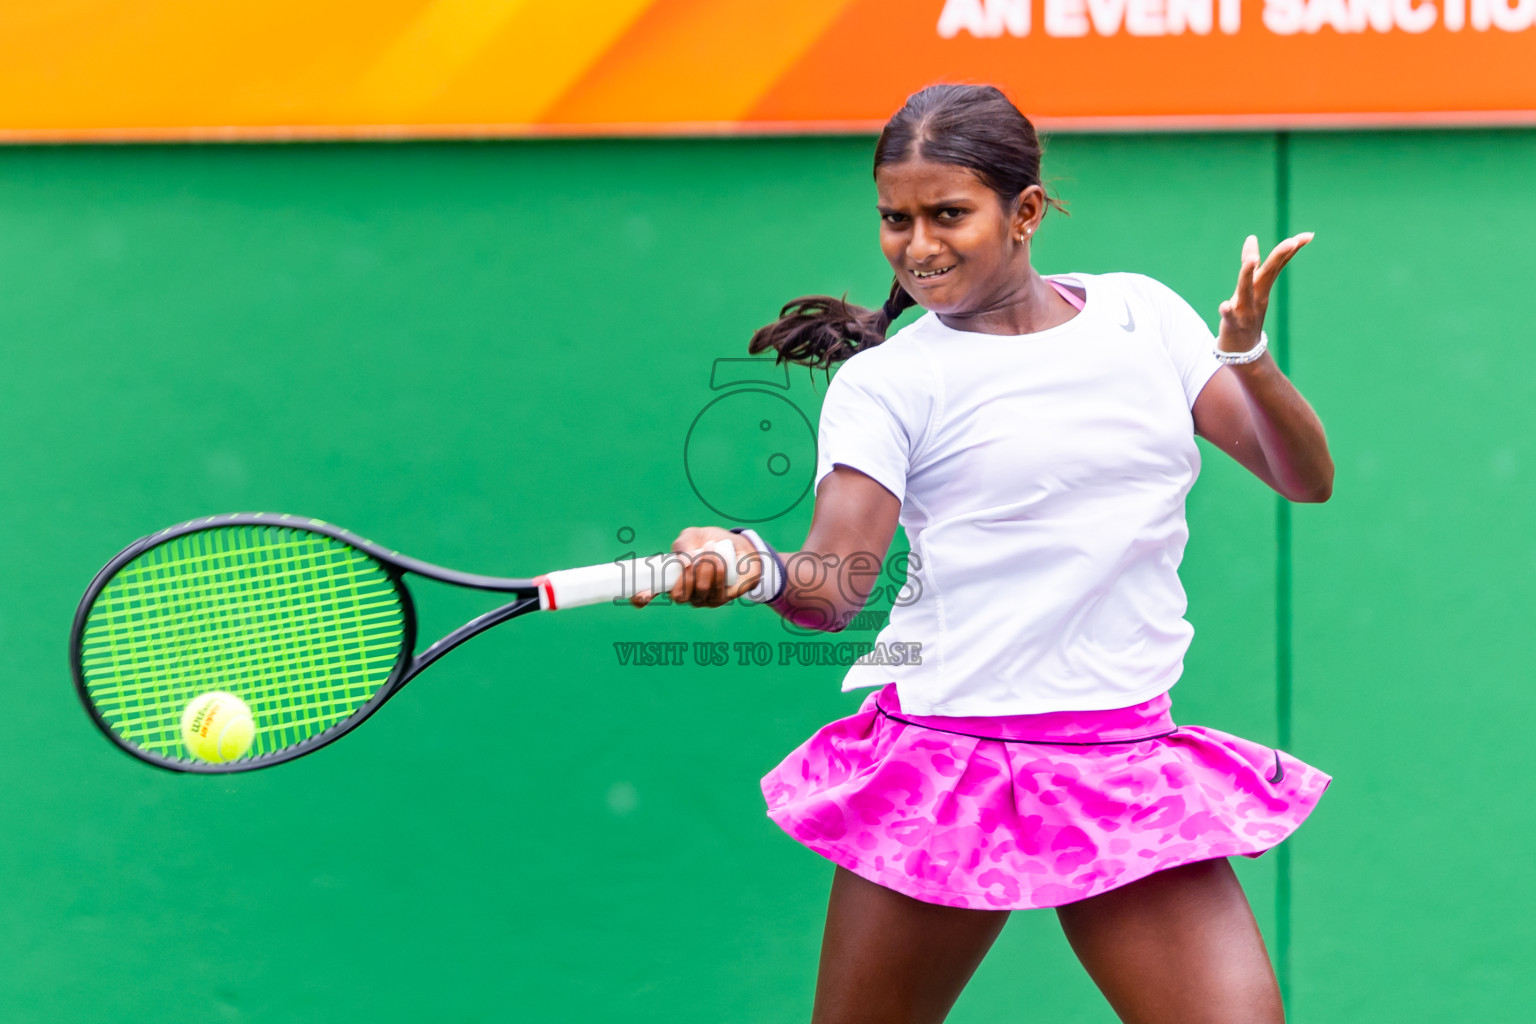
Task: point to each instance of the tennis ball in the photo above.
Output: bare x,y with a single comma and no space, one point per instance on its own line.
217,727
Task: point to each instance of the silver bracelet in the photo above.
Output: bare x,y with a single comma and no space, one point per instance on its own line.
771,583
1239,358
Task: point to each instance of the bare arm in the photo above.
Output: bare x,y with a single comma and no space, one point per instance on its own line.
830,577
1253,412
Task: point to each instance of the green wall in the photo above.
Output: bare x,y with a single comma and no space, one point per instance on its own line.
489,356
1415,585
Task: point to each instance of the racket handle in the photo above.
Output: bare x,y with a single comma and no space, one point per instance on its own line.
612,581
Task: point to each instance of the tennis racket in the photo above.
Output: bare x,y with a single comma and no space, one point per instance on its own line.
310,625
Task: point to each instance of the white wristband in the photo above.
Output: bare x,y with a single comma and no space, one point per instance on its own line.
771,584
1238,358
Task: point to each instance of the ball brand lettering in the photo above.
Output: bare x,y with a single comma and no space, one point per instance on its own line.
202,722
217,727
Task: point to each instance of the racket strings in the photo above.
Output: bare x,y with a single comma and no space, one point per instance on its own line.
239,655
276,628
302,627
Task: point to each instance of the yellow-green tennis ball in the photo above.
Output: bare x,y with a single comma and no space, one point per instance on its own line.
217,727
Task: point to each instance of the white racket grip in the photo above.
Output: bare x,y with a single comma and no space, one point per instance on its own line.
612,581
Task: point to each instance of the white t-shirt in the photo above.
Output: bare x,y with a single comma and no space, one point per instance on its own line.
1042,481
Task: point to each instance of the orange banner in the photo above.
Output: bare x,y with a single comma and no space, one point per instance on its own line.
176,69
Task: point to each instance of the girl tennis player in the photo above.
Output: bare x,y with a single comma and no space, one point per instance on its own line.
1036,438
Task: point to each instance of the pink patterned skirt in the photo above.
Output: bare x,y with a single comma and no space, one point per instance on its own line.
1032,810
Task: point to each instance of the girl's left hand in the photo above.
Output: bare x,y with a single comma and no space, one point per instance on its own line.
1242,316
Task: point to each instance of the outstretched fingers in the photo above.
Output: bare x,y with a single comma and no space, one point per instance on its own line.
1255,280
1278,258
1245,276
1242,300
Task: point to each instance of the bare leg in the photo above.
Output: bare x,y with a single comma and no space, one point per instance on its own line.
1177,947
890,959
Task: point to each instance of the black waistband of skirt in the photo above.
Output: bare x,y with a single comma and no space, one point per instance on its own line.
1033,743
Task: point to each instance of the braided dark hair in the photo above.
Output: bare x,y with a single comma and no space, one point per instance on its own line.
971,126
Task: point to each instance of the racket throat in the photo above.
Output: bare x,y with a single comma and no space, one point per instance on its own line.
469,630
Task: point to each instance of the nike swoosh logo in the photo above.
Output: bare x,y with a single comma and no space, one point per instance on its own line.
1130,321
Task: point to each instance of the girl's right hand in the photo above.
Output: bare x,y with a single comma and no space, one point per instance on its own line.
702,583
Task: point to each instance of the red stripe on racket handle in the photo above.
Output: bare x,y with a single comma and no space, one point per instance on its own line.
619,580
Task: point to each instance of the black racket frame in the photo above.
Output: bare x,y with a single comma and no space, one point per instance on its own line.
408,665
